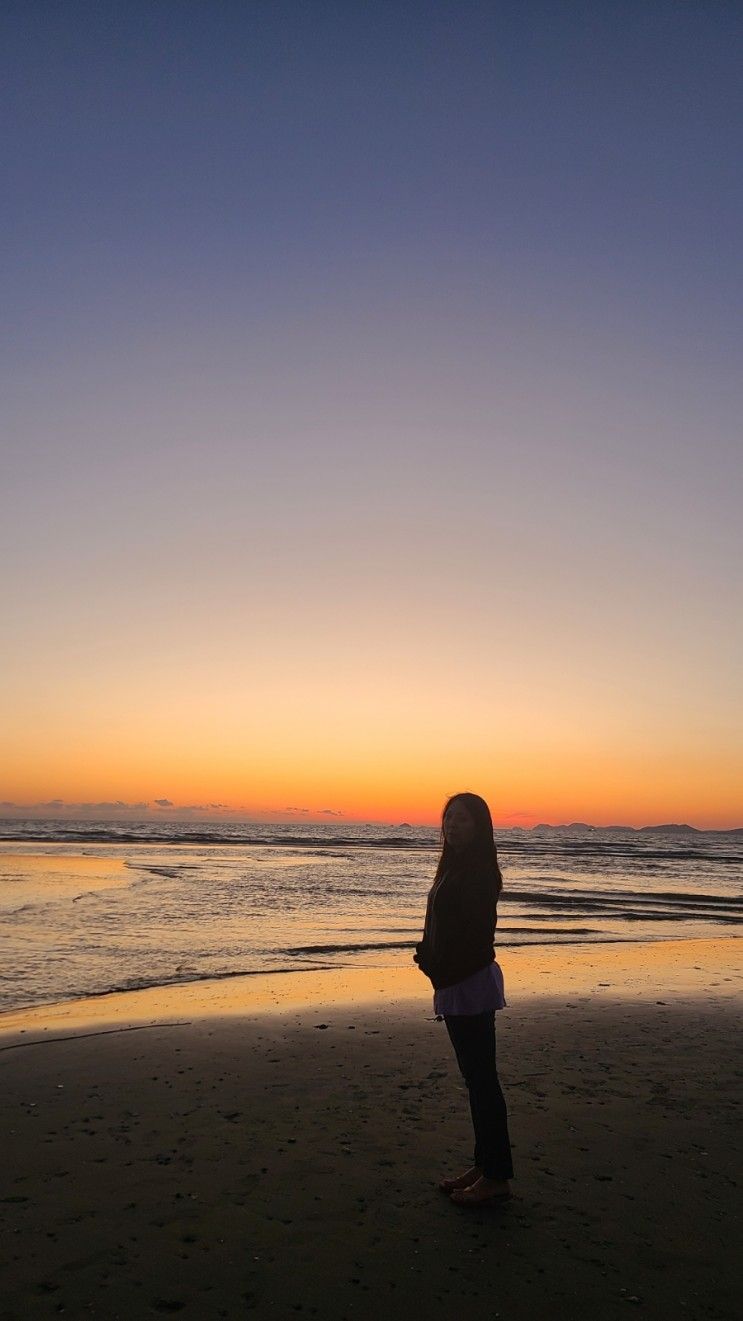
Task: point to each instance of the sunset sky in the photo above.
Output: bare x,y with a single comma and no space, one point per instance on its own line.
371,399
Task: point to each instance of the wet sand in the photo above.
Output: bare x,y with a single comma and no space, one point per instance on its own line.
274,1152
60,875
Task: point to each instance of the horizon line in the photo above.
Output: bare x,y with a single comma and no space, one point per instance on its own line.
307,817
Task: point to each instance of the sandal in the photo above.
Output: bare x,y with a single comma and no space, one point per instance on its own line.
462,1181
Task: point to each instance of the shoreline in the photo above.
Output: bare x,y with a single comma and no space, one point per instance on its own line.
627,969
551,950
278,1155
134,918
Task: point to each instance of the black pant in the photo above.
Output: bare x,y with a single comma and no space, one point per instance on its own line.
473,1039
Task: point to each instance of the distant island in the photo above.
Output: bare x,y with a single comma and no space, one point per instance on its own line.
574,825
672,830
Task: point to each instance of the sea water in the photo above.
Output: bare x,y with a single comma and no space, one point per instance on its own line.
89,908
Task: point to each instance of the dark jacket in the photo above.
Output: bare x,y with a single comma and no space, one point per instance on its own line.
459,930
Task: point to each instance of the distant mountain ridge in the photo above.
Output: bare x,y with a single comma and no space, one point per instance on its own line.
577,827
574,825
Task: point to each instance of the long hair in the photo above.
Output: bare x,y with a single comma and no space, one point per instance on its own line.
482,853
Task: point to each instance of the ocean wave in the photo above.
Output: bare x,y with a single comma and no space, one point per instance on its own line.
168,873
350,948
673,849
618,899
88,833
646,854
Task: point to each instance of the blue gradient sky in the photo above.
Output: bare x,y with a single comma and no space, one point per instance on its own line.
371,395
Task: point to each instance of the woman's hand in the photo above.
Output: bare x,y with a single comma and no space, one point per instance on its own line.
421,959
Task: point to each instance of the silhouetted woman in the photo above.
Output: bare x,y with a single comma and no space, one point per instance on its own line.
457,953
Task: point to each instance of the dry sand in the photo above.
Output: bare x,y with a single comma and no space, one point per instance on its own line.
274,1152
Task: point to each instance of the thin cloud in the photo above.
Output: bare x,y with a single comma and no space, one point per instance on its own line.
163,802
118,806
59,804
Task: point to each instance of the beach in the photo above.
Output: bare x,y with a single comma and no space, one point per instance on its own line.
371,514
271,1146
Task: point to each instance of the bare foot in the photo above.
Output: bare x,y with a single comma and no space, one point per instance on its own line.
481,1191
465,1180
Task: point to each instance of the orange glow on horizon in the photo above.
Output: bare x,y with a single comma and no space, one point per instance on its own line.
599,795
367,752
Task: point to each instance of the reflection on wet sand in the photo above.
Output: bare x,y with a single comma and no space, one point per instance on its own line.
29,878
708,969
